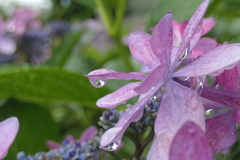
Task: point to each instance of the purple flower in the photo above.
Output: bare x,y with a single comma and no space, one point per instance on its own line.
179,104
8,132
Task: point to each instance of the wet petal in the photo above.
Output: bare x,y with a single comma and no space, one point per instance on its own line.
213,62
111,74
228,79
190,143
193,26
52,144
162,39
140,46
158,75
221,131
208,24
118,97
8,132
88,134
179,104
115,134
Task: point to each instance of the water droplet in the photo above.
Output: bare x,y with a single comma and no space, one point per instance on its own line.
184,55
198,87
197,84
98,83
153,98
184,78
111,147
207,112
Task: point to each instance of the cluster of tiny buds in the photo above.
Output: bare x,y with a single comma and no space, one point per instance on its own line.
70,151
110,117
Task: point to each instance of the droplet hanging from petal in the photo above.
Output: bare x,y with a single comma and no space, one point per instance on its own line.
184,78
98,82
207,112
113,146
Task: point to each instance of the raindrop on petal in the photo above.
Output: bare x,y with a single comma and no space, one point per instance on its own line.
197,84
184,55
153,98
184,78
111,147
207,112
98,83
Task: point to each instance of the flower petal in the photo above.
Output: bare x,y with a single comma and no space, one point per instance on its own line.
179,104
162,39
118,97
221,131
228,79
88,134
177,35
158,75
190,143
140,46
9,129
218,59
208,104
111,74
193,27
208,24
52,144
115,134
203,46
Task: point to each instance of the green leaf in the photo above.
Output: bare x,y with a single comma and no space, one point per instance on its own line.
36,126
181,10
62,53
48,84
87,3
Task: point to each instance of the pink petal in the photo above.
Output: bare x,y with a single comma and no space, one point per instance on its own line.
177,35
208,24
203,46
158,75
140,46
190,143
228,79
221,131
162,39
179,104
88,134
215,61
52,144
115,134
118,97
8,132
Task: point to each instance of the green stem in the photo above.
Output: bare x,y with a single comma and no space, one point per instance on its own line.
105,16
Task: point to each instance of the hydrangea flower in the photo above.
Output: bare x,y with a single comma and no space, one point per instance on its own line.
179,104
8,132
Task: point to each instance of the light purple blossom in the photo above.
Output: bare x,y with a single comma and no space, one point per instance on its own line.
8,132
179,104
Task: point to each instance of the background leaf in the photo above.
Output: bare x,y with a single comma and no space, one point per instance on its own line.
36,126
48,84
